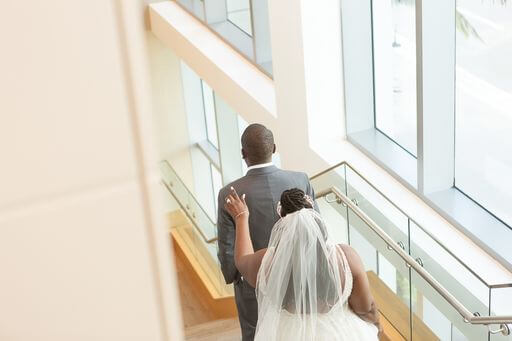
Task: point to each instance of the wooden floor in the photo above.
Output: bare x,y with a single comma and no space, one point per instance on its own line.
200,324
193,309
395,314
222,330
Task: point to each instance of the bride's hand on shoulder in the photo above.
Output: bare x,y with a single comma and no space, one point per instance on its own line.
235,205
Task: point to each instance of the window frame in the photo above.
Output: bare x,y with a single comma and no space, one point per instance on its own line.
206,110
255,46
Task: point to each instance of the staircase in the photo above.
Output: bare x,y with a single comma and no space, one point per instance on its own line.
207,304
206,318
225,330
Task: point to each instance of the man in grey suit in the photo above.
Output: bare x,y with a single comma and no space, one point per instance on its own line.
262,185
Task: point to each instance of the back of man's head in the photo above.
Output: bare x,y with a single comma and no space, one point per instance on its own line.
257,144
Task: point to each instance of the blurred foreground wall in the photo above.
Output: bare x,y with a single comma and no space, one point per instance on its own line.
83,253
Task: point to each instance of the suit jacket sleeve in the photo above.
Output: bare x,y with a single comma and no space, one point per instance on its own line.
311,192
226,241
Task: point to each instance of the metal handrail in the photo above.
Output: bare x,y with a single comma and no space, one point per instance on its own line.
345,163
190,216
467,315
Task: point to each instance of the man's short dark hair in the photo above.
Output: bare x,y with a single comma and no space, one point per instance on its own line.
258,143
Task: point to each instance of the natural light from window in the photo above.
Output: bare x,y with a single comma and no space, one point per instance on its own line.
394,48
239,13
483,141
209,114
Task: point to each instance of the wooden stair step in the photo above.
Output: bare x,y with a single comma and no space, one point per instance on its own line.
396,313
225,330
177,218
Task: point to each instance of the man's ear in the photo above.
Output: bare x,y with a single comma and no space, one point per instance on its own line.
244,154
274,150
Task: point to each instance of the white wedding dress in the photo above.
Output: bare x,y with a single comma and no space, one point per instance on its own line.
303,286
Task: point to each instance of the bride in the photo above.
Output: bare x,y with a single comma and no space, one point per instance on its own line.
307,288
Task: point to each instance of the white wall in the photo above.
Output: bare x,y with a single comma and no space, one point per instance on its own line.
82,253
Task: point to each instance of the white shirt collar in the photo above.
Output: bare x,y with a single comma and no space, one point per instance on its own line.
261,165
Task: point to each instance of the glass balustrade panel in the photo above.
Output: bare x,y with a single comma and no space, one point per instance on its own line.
501,304
451,273
335,218
388,275
202,220
199,236
332,178
434,318
173,183
187,201
377,207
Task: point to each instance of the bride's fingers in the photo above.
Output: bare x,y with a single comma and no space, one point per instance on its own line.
243,199
234,193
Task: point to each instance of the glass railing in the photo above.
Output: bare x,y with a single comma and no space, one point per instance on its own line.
407,298
199,237
241,23
206,228
418,311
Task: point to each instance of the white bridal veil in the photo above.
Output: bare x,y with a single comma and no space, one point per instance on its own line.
301,281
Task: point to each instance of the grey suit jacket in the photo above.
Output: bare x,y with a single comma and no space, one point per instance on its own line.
263,188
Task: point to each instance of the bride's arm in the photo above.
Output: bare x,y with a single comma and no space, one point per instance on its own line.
361,300
247,261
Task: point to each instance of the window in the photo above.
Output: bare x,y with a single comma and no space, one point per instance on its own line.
216,182
483,145
200,106
209,114
213,129
239,13
379,58
242,125
428,96
394,55
244,24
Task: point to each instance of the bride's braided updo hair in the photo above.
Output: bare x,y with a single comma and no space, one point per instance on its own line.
293,200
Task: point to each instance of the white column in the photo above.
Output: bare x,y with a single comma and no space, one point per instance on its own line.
435,39
306,54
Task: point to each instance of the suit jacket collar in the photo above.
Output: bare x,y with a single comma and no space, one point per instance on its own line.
264,170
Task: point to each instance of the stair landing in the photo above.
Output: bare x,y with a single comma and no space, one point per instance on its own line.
225,330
